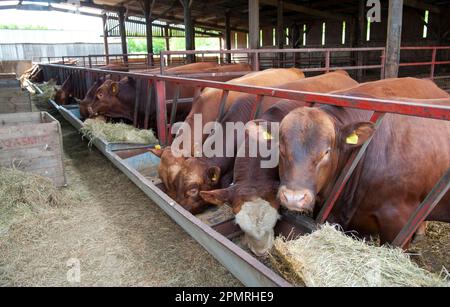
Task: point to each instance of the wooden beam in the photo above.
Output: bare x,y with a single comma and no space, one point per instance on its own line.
280,25
228,34
306,10
394,38
253,23
188,29
105,37
148,8
422,6
123,33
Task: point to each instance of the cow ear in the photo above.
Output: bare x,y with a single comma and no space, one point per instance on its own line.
114,88
217,197
157,151
356,134
213,175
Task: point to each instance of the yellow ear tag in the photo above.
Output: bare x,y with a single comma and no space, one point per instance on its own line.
158,147
352,139
214,178
267,136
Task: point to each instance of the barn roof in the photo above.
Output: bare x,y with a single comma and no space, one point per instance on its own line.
210,14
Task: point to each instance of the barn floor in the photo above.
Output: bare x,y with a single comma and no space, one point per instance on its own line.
120,237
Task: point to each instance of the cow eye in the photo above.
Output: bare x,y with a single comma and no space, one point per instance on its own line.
192,192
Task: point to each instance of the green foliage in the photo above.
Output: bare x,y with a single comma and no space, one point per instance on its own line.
22,27
139,45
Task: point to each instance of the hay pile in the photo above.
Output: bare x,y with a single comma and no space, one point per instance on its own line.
117,133
48,89
329,258
24,194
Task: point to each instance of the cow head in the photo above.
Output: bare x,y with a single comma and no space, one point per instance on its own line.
90,96
253,195
63,96
255,209
195,175
114,99
311,146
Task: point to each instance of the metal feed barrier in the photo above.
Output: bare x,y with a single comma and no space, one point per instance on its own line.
84,77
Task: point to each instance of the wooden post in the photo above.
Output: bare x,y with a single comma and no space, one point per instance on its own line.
123,34
167,38
394,38
105,37
280,36
253,21
228,35
253,26
148,7
360,38
189,29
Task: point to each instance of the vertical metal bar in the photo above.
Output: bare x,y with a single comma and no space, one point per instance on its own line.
422,212
433,63
346,173
197,93
137,102
90,61
161,111
256,107
383,63
148,103
173,114
327,60
223,102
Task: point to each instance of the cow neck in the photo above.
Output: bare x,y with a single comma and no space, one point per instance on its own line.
344,209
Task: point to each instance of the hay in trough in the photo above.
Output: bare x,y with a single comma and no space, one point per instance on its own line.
48,89
329,258
23,194
117,132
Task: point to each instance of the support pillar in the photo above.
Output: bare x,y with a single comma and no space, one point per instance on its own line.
394,38
148,7
123,34
105,37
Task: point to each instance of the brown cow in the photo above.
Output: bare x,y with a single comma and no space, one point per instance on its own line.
64,95
196,173
208,105
253,192
90,96
406,157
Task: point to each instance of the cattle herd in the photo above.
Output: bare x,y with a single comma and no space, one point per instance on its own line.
406,157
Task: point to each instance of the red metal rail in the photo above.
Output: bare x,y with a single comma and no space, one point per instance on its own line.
379,106
432,63
253,57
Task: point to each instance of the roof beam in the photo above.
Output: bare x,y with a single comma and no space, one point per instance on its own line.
306,10
422,6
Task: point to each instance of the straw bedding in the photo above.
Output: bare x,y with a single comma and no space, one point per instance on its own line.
329,258
117,132
24,194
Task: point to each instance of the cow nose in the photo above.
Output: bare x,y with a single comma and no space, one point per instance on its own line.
297,200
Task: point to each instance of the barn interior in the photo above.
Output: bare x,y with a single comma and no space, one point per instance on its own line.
371,40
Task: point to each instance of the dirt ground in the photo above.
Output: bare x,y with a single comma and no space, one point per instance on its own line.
433,252
119,236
